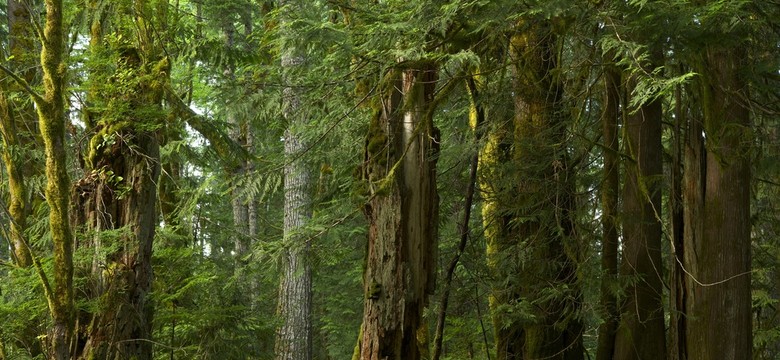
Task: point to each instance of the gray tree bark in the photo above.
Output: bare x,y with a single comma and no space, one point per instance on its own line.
294,336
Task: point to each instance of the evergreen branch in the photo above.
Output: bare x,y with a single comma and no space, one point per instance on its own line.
37,98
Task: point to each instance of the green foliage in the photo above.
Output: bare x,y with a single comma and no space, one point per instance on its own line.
200,313
23,313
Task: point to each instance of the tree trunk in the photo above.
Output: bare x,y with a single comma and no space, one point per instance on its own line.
122,327
402,212
18,125
717,253
508,334
642,334
51,117
609,200
532,246
294,336
116,200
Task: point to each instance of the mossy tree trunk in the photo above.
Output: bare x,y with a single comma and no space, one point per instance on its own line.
494,171
20,137
116,199
19,127
529,226
402,212
641,334
716,193
51,117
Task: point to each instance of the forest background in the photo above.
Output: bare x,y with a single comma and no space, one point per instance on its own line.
444,179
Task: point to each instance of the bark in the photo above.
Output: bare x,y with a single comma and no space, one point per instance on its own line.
717,244
642,334
294,336
122,327
609,200
402,212
18,204
509,335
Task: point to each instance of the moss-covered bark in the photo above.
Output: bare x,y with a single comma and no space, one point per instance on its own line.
18,205
18,125
402,211
529,229
116,199
493,157
51,116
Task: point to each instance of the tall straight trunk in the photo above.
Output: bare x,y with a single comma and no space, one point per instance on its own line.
237,134
610,191
294,336
642,333
717,253
51,117
402,213
533,246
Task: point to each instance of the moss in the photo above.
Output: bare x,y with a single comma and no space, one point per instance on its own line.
374,291
384,185
376,143
356,351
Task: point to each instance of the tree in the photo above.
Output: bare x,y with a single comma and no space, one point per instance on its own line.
51,117
641,331
294,337
116,199
716,195
177,120
402,212
18,125
531,243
